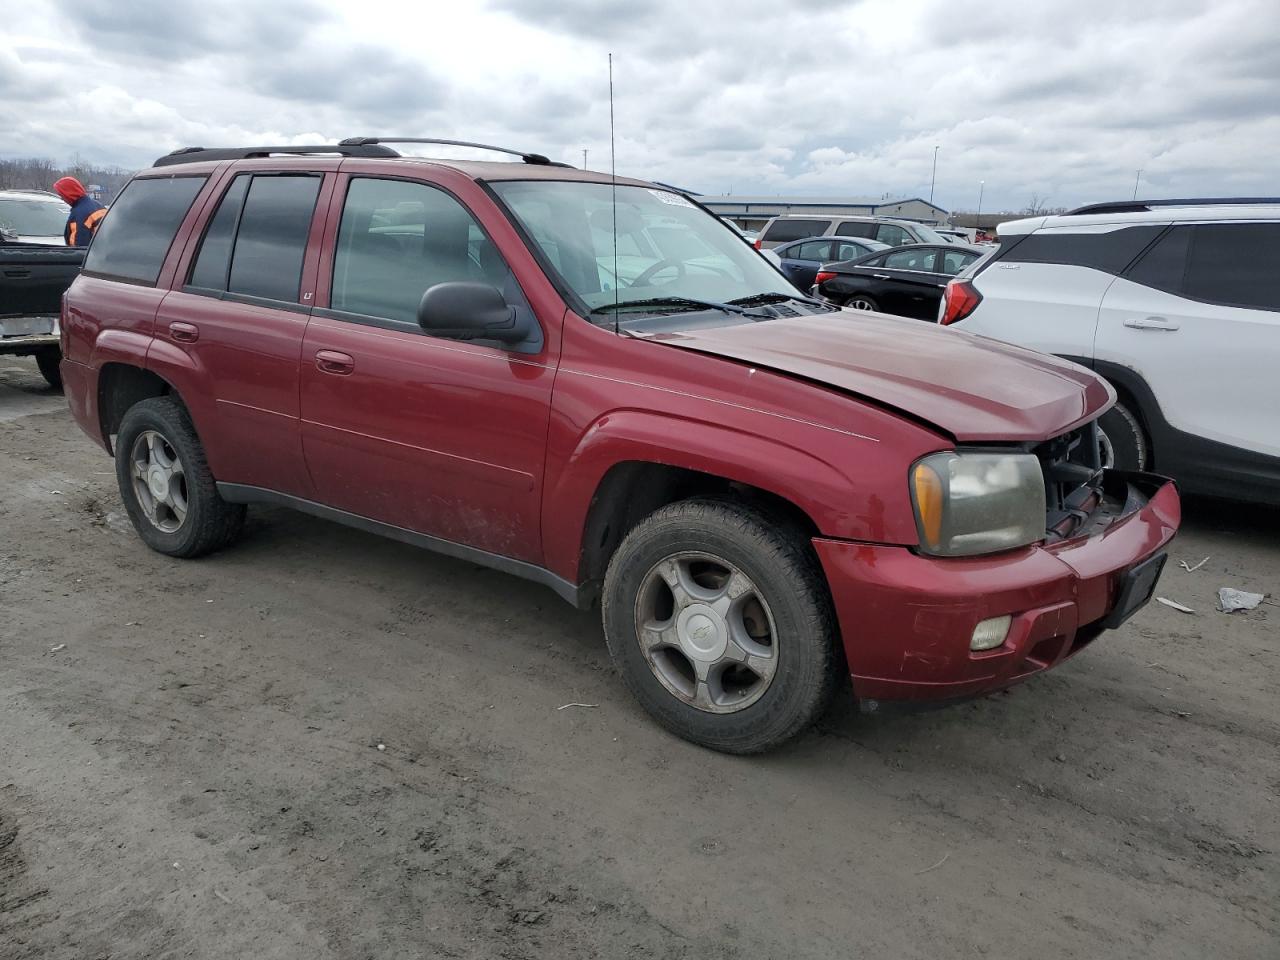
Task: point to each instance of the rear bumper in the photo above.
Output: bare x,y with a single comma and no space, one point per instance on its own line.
907,619
80,384
27,334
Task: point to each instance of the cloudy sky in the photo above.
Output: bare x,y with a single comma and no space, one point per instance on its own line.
1063,101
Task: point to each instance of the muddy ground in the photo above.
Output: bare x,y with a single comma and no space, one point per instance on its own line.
190,765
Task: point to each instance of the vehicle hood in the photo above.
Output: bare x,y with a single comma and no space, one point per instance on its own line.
970,387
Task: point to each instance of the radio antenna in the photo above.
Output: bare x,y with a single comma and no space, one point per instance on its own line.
613,177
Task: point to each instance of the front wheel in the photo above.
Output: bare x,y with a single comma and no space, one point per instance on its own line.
49,360
720,624
1124,443
165,483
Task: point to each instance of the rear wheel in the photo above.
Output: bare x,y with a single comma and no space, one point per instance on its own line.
49,360
719,622
165,483
860,301
1124,443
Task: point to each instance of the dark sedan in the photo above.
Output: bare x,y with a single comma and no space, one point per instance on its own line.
906,281
802,258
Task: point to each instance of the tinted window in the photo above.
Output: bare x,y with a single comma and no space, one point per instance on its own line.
135,235
1110,252
1237,264
397,239
893,235
210,269
856,228
1165,265
919,259
271,241
953,261
819,250
780,231
850,251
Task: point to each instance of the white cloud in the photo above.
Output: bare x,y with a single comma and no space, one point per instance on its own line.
1062,100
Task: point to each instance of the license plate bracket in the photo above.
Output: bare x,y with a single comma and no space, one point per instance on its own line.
1137,585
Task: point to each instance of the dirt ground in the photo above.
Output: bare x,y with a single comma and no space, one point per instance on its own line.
322,744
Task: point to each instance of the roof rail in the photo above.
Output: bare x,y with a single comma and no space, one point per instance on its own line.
1142,206
535,158
198,154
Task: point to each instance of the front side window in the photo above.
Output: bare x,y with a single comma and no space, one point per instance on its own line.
397,238
1235,264
134,237
666,246
922,260
955,261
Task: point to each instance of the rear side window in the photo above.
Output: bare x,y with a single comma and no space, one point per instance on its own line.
850,251
1109,252
817,250
915,259
955,261
255,243
271,241
134,237
856,228
782,231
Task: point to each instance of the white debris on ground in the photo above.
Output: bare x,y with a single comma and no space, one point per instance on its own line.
1230,600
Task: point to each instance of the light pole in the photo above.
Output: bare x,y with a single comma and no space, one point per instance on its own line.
584,159
982,185
934,178
1135,184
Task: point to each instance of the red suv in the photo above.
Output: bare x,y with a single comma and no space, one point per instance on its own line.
599,386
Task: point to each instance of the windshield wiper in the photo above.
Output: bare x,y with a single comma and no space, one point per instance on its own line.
685,303
760,299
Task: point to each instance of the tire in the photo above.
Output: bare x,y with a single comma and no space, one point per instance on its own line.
48,360
204,522
789,612
1125,439
860,301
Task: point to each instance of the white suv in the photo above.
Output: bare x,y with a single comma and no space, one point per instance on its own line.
887,230
1177,304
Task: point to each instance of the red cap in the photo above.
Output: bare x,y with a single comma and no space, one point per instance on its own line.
69,189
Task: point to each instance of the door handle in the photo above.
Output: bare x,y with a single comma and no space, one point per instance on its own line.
184,332
881,276
1151,323
331,361
18,274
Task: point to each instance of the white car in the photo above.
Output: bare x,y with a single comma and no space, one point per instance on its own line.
32,216
1177,304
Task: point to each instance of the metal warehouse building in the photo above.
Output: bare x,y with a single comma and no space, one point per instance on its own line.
751,213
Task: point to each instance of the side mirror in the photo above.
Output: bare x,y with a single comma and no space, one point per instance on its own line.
464,310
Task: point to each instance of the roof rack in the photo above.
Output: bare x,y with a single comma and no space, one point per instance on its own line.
1143,206
535,158
198,154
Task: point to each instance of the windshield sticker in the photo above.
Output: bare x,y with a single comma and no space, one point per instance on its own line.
672,198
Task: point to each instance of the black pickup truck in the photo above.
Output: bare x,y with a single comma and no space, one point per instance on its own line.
32,279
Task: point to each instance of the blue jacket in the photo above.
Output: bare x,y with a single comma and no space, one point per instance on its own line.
82,224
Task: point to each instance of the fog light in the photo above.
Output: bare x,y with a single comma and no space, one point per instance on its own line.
989,634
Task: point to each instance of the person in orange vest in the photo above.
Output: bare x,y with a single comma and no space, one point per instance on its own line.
86,212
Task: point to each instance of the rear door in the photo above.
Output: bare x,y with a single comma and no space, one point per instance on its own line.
801,261
1198,317
442,437
907,282
235,321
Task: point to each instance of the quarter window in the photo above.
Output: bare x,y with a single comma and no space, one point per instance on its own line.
1110,252
399,238
133,239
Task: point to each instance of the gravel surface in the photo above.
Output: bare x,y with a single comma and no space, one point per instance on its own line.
323,744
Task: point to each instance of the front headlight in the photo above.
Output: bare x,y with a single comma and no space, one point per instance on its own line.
971,503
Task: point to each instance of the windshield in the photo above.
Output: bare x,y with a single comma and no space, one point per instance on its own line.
666,246
32,217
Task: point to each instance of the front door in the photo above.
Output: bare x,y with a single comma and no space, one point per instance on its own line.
442,437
